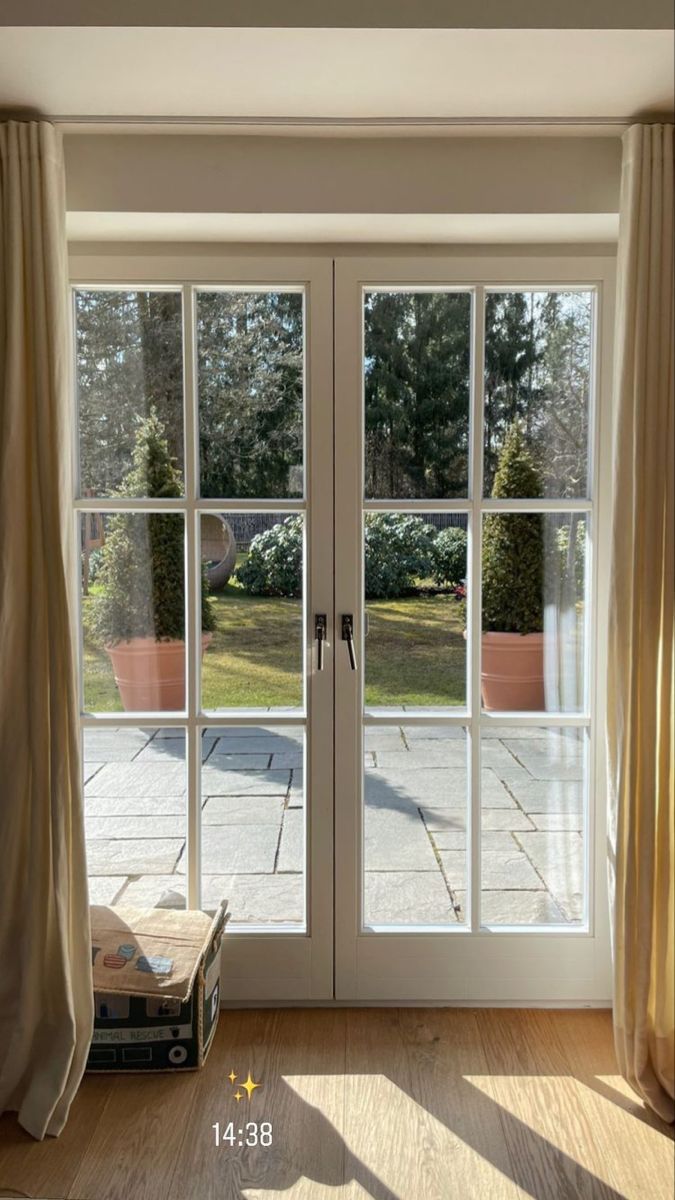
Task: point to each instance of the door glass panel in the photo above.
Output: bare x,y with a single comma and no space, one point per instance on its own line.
253,581
534,611
133,611
416,388
538,374
533,825
414,825
129,366
253,823
414,576
135,815
250,364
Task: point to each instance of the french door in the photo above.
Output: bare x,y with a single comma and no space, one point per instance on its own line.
470,825
289,467
204,504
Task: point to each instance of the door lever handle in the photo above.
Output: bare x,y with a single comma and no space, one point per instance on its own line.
348,637
320,629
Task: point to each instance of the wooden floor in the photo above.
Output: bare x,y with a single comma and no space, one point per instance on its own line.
395,1104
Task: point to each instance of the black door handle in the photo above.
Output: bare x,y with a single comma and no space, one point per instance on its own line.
348,637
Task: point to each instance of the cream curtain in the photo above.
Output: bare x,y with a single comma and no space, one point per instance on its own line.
640,685
45,971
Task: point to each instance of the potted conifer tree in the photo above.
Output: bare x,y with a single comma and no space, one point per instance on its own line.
140,616
512,675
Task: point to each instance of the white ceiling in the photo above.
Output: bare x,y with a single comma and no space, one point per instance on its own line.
333,73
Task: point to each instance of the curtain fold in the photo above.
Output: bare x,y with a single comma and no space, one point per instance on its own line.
45,981
641,650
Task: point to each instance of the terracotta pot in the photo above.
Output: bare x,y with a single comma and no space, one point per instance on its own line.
512,672
150,675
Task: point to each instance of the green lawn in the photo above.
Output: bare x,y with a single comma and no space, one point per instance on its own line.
415,654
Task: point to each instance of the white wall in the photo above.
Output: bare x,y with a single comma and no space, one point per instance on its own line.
196,174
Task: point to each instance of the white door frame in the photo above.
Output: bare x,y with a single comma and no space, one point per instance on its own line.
474,964
262,965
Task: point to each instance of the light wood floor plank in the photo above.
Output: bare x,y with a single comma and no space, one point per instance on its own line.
48,1168
386,1104
298,1057
619,1117
134,1149
411,1122
443,1048
550,1121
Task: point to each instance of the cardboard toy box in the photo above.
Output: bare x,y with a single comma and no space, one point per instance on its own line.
156,988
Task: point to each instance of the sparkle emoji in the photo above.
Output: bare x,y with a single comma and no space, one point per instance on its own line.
250,1085
232,1077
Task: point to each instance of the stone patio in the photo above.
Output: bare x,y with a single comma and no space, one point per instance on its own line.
415,822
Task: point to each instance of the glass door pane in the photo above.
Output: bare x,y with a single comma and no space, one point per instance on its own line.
253,575
129,365
251,389
250,362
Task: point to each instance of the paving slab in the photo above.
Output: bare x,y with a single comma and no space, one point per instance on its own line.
517,731
548,796
430,754
103,889
291,760
245,849
442,788
296,796
433,733
548,759
238,762
516,908
559,857
243,810
119,745
289,733
162,750
493,819
454,866
510,869
546,822
165,749
444,820
134,826
220,781
147,890
133,856
383,737
266,744
291,855
138,779
436,786
141,806
495,756
407,898
494,793
256,899
396,840
447,840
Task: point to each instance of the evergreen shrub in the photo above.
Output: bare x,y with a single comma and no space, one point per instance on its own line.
513,546
142,562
